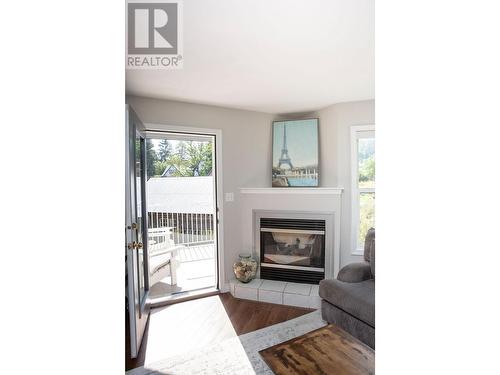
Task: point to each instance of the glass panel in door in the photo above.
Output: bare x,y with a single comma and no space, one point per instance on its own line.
137,282
182,239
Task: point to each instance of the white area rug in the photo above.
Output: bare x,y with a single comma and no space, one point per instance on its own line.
237,355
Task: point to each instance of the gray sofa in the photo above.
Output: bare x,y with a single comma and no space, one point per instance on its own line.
349,301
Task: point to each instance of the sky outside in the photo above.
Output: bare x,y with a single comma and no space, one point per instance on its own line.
173,143
302,142
156,144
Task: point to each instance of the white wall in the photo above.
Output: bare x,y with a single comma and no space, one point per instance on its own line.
247,148
337,120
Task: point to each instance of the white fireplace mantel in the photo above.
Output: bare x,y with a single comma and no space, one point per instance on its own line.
302,201
293,190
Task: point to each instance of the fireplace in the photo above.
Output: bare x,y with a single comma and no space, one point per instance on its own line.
292,249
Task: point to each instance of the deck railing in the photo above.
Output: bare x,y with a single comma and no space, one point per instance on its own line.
185,228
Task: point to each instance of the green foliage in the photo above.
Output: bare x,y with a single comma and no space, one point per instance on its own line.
159,167
367,169
366,215
192,159
151,158
366,172
180,149
199,158
179,164
366,148
189,158
164,150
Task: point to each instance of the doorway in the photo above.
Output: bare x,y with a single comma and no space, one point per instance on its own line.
182,213
172,220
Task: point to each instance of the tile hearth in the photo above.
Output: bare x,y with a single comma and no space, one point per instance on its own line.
279,292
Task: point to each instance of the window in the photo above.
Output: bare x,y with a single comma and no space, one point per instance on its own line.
363,184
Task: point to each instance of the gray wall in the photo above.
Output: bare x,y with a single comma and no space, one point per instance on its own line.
336,154
247,147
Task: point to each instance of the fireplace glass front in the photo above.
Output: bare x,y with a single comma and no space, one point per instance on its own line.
292,249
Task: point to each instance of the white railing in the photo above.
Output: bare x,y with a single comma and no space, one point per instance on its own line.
184,228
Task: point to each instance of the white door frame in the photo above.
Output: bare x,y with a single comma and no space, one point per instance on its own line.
219,233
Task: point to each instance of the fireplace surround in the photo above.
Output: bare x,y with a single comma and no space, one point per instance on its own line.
294,246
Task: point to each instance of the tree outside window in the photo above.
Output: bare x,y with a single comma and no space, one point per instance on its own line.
363,188
171,158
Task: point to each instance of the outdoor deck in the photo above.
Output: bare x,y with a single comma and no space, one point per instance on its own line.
196,269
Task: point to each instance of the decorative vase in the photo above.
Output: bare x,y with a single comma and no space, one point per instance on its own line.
245,269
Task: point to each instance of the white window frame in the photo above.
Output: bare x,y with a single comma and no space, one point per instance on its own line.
357,133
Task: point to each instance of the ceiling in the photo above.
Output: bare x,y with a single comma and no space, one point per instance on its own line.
274,56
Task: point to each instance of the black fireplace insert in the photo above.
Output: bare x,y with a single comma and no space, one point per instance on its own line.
292,249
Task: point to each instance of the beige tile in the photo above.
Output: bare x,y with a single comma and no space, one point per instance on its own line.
270,296
299,300
246,293
254,284
272,285
297,288
314,290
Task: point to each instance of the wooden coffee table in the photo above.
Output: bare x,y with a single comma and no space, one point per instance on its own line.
328,350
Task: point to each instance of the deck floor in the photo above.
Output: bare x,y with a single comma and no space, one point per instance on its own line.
196,270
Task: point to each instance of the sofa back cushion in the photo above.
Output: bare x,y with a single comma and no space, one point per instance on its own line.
369,242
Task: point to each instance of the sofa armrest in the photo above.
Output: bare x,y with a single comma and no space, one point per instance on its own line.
355,272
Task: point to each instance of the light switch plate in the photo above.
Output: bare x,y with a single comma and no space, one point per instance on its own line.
229,197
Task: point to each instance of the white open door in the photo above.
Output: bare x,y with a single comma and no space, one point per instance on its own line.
137,271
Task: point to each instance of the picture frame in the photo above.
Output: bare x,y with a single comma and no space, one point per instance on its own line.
295,157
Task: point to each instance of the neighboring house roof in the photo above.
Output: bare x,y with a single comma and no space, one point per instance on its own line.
169,171
181,194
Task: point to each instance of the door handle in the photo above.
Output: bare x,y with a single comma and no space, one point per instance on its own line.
133,226
135,245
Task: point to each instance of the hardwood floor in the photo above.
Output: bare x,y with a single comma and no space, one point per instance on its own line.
205,321
247,316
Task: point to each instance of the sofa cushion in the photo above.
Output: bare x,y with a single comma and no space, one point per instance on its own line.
357,299
348,323
355,272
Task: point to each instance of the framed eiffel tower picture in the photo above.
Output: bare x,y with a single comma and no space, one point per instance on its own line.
295,153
